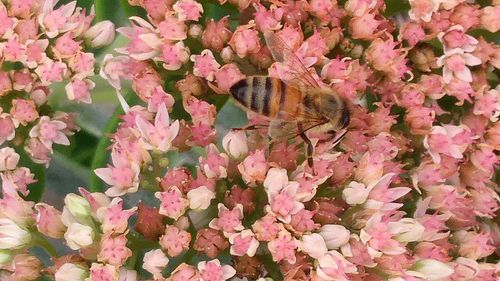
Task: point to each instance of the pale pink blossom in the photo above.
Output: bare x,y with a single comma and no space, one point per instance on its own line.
114,250
455,64
172,203
114,218
160,135
215,164
49,132
447,140
48,221
8,159
254,167
283,247
423,9
243,243
205,65
229,221
188,10
175,240
123,176
333,266
154,262
213,271
245,40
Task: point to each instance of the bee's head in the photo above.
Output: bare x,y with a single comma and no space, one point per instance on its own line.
335,109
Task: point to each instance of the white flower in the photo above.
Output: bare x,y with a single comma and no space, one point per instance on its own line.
407,230
334,235
8,159
71,272
12,236
200,198
100,34
433,270
127,275
276,179
235,144
154,262
79,236
78,207
314,245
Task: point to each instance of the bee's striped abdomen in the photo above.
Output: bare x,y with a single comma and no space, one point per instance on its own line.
259,93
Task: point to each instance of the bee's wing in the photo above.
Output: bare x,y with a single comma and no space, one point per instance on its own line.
286,127
283,54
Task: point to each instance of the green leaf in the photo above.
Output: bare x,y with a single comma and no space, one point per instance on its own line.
101,154
36,189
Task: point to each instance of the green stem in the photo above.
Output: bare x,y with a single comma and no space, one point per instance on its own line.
272,267
40,241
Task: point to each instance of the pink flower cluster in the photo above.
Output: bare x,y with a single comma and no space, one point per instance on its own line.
43,43
407,195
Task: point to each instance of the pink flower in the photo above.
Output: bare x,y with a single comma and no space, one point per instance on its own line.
13,207
99,272
49,132
359,7
485,200
154,262
13,50
216,34
283,247
188,10
214,271
455,64
446,140
205,65
184,272
235,144
420,119
266,228
378,236
228,221
171,28
79,90
215,164
473,245
48,221
200,110
243,243
123,176
489,16
245,40
423,9
140,45
321,8
283,202
51,71
8,159
175,240
160,135
487,104
173,56
268,19
227,76
172,202
455,37
157,98
24,111
333,266
38,152
114,218
114,250
65,46
364,27
253,169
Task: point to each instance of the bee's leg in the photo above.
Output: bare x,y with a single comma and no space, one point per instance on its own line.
336,137
250,128
309,149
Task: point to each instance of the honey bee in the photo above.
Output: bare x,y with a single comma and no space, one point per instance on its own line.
295,106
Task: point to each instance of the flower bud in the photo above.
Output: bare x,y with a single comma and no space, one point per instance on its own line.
227,54
48,221
100,34
432,269
235,144
78,206
314,245
407,230
79,236
8,159
195,30
334,235
71,272
12,236
25,267
210,242
127,275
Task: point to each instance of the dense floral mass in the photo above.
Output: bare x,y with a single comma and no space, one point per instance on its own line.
409,193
